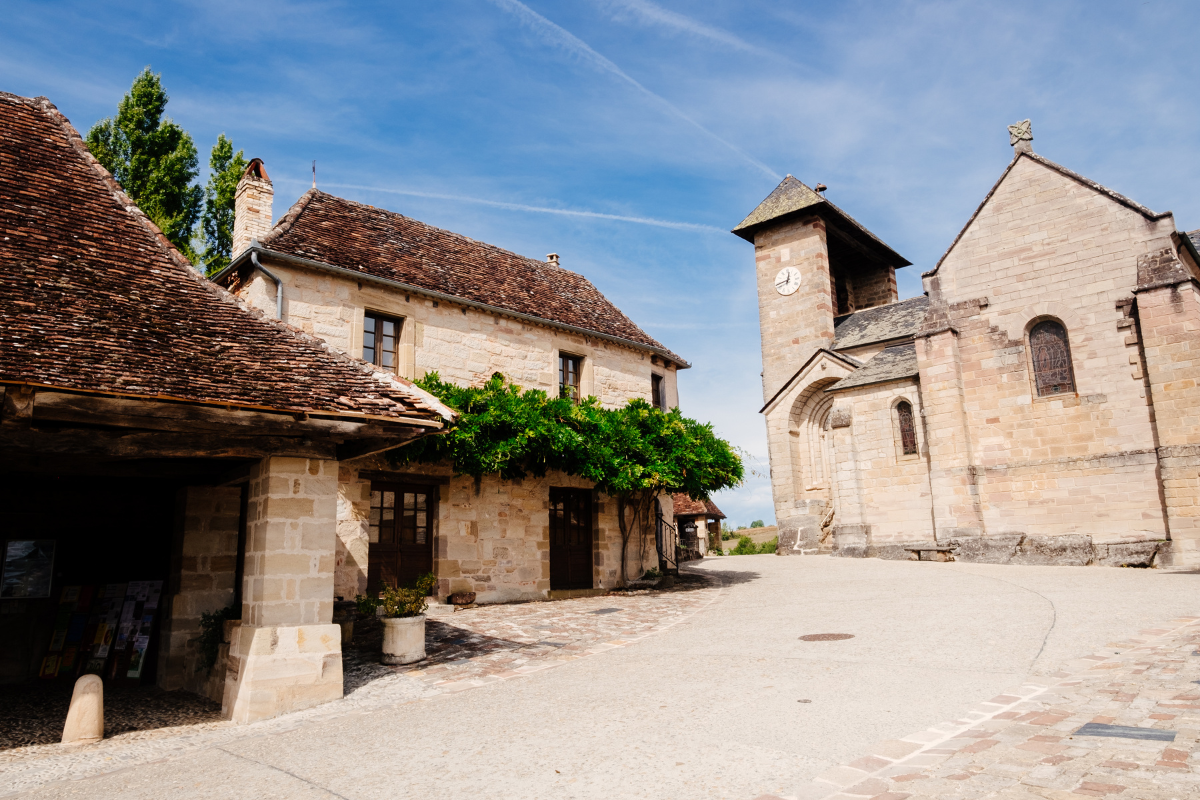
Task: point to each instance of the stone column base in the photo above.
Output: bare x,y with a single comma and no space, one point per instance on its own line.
277,669
851,541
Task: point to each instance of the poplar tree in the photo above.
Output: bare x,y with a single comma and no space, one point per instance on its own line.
217,221
153,159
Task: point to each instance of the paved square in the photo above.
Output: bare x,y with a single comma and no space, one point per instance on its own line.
711,693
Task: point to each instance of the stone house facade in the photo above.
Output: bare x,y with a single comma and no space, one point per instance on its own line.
416,299
1038,404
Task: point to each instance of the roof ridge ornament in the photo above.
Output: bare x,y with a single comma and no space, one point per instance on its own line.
1020,136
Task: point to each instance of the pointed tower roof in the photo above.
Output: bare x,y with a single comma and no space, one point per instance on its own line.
792,198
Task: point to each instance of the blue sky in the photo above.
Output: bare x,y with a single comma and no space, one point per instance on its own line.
525,124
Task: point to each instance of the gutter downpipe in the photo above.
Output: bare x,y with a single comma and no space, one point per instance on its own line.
278,283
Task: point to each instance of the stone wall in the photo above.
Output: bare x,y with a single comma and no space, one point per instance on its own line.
490,537
462,344
204,567
1169,322
1043,246
876,484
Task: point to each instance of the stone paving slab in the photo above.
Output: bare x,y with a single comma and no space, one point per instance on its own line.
470,648
1024,744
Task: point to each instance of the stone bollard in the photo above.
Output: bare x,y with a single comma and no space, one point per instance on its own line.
85,719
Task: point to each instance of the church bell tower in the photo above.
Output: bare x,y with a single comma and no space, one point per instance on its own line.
812,263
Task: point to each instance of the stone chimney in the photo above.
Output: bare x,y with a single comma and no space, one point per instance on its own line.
552,258
252,206
1020,136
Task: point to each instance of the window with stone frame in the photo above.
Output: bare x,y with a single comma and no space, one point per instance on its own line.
1050,353
908,428
658,395
569,368
381,340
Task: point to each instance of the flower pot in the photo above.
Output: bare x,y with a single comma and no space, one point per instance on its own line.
403,639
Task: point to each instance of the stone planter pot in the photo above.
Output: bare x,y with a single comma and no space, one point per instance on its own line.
403,639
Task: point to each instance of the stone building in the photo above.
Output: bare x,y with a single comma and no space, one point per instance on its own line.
1038,404
411,299
699,526
157,432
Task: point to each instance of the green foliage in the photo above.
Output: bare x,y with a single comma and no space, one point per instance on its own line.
408,601
633,454
769,547
153,159
216,222
212,634
366,605
745,547
504,430
758,523
651,574
727,532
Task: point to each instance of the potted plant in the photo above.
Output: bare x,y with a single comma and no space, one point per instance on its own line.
403,616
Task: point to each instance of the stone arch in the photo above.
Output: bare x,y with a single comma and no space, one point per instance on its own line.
812,441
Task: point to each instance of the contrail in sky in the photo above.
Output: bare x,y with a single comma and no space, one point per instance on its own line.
653,13
566,212
565,40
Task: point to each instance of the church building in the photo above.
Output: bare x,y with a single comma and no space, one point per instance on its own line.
1038,404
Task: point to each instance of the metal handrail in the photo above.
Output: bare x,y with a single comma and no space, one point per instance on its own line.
668,552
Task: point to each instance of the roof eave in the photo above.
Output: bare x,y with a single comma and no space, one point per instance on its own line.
840,219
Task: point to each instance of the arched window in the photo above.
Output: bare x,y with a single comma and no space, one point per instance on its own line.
908,428
1051,358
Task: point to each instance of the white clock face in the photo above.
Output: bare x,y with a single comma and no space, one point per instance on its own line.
787,281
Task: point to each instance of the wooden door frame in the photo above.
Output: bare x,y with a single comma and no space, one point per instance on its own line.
397,482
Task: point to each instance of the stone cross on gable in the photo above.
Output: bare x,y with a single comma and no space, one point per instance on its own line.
1020,135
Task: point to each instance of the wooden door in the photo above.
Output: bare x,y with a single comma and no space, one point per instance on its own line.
401,534
570,538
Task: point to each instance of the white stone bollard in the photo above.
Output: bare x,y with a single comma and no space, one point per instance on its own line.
85,719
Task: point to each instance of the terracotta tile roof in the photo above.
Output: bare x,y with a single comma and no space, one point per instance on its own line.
881,323
890,364
342,233
94,298
687,507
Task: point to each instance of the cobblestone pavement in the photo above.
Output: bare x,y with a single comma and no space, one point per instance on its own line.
1025,744
474,647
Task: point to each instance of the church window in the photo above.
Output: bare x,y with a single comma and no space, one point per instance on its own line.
1051,356
908,428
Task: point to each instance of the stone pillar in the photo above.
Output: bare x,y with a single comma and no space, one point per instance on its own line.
1169,322
956,512
287,653
203,572
850,532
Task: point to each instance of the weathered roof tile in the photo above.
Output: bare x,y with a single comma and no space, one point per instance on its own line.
880,324
374,241
94,298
